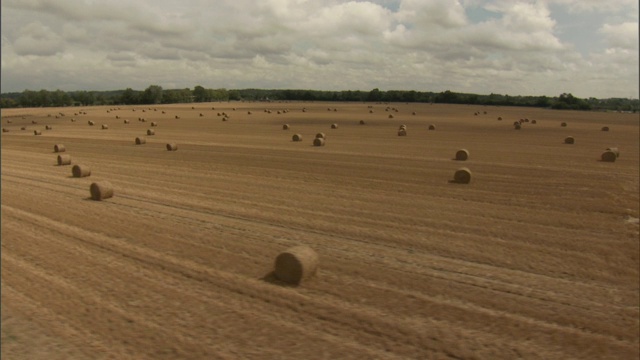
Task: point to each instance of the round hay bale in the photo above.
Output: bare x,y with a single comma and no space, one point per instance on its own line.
402,132
499,118
91,123
153,123
80,171
101,190
517,126
9,121
534,122
413,113
48,127
59,148
34,122
37,132
172,147
117,117
432,127
370,111
296,137
64,159
318,142
564,124
614,150
73,120
403,126
177,117
285,127
334,126
605,128
201,114
361,122
569,140
126,121
23,128
390,116
141,140
105,127
5,130
320,135
462,176
462,154
608,156
296,264
150,132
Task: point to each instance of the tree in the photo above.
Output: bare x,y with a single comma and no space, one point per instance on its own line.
152,95
199,94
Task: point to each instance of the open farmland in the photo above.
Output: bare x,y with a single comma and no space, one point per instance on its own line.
537,257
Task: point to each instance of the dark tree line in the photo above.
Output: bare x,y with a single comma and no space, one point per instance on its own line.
155,94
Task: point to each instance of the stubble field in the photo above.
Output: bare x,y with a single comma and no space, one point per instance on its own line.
537,257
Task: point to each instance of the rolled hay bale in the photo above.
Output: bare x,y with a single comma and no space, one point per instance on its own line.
564,124
48,127
172,147
105,127
117,117
34,122
569,140
320,135
296,137
141,140
80,171
403,126
296,264
499,118
515,123
201,114
249,112
153,123
432,127
318,142
462,176
126,121
91,123
101,190
517,126
23,128
534,122
37,132
9,121
59,148
614,150
334,126
462,154
402,132
608,156
605,128
150,132
143,120
413,113
390,116
526,120
64,159
370,111
73,120
177,117
285,127
361,122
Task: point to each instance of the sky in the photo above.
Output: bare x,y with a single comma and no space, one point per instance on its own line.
588,48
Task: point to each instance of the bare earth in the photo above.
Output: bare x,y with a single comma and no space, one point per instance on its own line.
536,258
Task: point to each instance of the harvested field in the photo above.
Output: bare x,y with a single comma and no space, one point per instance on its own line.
536,258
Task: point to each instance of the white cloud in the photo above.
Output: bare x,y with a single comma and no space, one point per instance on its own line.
624,36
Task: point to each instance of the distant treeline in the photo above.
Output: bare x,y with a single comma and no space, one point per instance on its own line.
154,94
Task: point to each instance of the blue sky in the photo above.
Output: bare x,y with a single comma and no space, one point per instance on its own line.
588,48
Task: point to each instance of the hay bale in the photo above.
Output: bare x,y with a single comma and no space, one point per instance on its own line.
403,126
361,122
432,127
37,132
334,126
23,128
9,121
48,127
614,150
517,126
34,122
413,113
177,117
141,140
296,264
462,154
64,159
105,127
402,132
172,147
150,132
201,114
73,120
117,117
318,142
101,190
499,118
534,122
153,123
370,111
462,176
569,140
126,121
59,148
91,123
5,130
390,116
320,135
285,127
605,128
296,137
608,156
80,171
564,124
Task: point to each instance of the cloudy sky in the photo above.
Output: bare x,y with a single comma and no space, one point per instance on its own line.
546,47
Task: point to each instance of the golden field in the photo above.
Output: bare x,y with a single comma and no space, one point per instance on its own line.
536,258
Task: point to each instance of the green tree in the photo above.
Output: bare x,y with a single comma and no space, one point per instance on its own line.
152,95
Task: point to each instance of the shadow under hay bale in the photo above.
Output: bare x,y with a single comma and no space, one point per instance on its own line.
64,160
80,171
141,140
101,190
462,155
462,176
59,148
172,147
569,140
296,264
296,137
318,142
